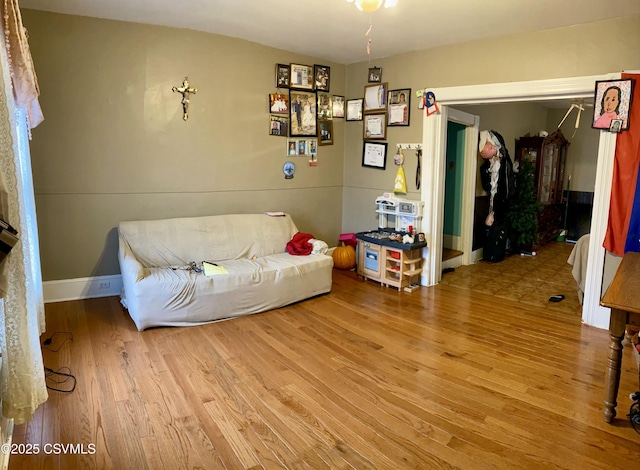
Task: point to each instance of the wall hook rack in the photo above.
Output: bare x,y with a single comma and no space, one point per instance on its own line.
409,146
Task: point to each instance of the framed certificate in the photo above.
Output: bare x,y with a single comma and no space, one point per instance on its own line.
354,110
375,127
399,107
374,155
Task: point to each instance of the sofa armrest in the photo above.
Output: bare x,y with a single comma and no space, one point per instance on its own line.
130,268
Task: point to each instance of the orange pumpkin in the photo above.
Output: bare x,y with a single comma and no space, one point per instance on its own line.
344,257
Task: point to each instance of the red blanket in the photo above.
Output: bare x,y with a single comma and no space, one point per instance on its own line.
299,245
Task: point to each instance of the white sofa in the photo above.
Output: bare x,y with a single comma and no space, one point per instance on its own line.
159,291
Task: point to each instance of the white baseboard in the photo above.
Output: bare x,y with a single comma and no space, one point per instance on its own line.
476,256
82,288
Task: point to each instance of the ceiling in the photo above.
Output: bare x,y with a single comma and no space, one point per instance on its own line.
334,30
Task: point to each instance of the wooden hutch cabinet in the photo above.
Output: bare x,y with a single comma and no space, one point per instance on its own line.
548,155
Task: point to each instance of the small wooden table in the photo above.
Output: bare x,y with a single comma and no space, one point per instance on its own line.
623,298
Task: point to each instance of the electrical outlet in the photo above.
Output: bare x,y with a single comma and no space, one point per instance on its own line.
104,285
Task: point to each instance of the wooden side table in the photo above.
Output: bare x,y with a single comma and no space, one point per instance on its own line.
623,298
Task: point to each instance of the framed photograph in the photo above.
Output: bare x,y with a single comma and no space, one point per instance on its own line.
616,125
399,107
301,77
279,125
302,147
375,127
375,75
303,114
338,106
325,110
354,110
282,76
325,132
375,98
374,155
322,75
611,102
278,103
292,147
312,147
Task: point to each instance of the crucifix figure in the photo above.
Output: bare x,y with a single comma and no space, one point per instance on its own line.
185,90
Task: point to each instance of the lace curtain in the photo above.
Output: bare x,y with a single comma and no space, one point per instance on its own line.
22,383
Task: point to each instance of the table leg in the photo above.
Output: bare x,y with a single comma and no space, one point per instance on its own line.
612,378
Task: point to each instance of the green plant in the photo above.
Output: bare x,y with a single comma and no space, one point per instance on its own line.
524,208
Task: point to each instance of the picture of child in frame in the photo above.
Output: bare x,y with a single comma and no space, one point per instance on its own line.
293,148
611,103
609,107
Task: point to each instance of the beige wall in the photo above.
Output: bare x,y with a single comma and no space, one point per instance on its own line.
511,120
582,155
565,52
114,147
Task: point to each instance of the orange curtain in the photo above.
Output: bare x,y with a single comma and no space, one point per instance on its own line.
23,74
625,175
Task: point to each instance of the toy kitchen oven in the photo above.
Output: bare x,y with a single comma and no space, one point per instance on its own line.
399,214
385,255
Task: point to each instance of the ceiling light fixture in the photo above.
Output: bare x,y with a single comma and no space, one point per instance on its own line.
372,5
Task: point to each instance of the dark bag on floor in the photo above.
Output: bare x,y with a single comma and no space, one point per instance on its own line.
495,244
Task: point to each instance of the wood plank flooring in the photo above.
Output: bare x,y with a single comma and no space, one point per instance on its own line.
364,377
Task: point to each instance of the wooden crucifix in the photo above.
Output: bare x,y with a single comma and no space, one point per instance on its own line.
185,90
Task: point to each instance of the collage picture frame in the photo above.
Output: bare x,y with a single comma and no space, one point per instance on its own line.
302,147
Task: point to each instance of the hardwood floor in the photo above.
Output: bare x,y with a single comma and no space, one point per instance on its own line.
364,377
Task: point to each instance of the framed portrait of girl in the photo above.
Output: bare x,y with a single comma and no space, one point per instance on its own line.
611,104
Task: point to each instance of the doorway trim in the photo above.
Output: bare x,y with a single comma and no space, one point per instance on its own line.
472,129
434,144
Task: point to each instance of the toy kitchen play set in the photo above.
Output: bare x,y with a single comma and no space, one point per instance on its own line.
392,254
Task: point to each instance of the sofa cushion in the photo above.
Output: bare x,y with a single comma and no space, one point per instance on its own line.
183,297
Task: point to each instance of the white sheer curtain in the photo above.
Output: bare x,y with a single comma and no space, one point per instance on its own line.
22,384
